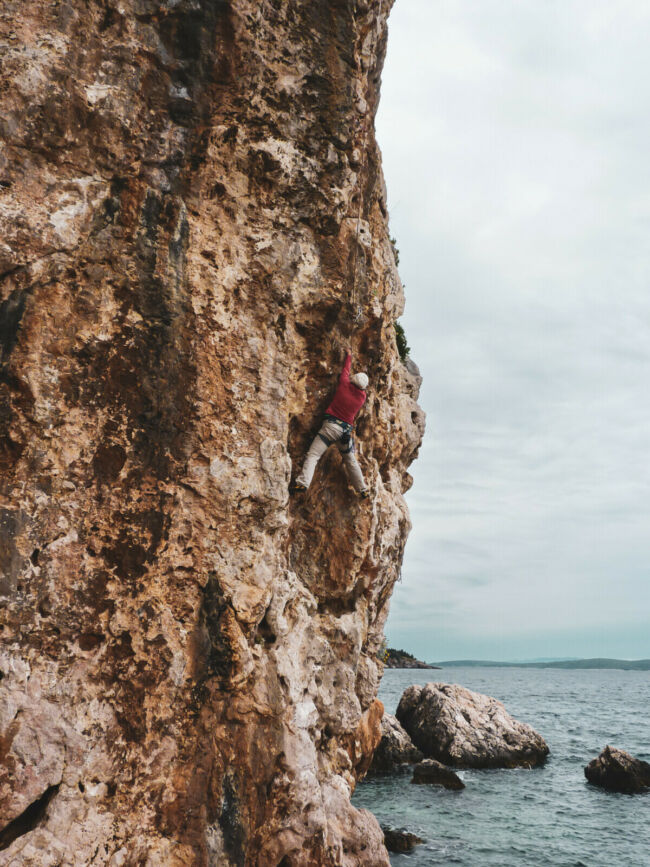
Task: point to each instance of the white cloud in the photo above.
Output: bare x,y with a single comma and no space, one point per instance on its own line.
515,138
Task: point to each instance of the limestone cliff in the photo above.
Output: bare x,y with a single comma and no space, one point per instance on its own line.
188,656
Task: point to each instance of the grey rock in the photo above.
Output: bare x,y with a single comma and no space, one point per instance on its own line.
434,773
415,374
618,771
395,748
466,729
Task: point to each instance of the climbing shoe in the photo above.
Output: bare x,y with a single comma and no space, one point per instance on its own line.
363,495
297,488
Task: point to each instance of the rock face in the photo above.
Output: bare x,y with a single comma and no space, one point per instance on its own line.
466,729
395,748
618,771
193,226
434,773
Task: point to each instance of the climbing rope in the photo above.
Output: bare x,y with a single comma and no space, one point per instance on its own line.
356,307
354,300
354,303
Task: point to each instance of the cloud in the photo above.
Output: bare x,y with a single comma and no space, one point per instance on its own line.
515,140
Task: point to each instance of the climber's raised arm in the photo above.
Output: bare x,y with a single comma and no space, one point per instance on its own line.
345,373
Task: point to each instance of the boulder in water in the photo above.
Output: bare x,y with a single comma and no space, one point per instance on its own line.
395,748
618,771
434,773
466,729
399,839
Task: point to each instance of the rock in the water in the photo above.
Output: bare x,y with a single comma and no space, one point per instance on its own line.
466,729
436,774
399,839
618,771
395,748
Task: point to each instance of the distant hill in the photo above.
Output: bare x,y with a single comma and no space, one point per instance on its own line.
621,664
403,659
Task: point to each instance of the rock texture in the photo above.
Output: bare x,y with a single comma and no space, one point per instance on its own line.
188,659
618,771
395,748
434,773
466,729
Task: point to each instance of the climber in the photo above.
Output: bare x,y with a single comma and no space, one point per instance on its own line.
337,427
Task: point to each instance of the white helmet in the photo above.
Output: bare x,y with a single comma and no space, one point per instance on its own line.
360,380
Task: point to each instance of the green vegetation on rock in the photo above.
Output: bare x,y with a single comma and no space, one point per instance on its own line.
402,346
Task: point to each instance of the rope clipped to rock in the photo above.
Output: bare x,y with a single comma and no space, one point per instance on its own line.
354,299
356,307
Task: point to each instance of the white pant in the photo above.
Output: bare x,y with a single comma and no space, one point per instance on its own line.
333,433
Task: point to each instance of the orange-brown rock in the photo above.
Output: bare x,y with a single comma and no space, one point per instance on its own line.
188,657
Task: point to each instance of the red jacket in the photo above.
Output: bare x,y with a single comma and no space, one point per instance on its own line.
348,399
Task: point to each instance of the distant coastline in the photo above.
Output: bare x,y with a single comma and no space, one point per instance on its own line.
402,659
619,664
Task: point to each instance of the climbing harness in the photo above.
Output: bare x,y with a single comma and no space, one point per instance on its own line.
346,437
347,427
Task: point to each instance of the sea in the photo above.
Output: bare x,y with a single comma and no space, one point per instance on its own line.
545,817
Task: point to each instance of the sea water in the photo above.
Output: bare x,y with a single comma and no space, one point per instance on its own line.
545,817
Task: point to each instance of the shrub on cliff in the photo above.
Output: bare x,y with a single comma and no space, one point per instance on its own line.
402,346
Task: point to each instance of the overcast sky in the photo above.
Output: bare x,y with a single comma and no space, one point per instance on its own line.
516,145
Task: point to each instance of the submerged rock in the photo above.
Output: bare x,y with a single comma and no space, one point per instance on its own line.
395,748
399,839
433,772
618,771
467,729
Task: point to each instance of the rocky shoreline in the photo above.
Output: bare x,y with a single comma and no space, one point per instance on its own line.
441,726
454,726
446,717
